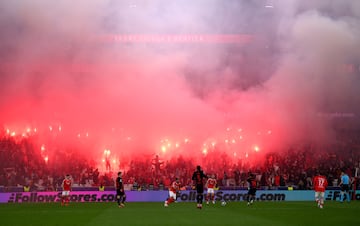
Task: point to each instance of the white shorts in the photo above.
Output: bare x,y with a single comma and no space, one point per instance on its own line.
210,191
319,194
172,195
65,193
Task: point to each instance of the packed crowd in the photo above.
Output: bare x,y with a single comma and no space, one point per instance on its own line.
22,165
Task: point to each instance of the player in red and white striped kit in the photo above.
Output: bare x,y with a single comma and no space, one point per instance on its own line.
66,186
211,184
173,190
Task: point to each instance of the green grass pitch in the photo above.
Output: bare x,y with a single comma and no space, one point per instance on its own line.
181,214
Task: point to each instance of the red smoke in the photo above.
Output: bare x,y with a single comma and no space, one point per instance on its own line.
172,99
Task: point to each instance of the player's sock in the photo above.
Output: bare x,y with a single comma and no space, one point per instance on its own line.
118,199
199,198
123,200
170,200
348,196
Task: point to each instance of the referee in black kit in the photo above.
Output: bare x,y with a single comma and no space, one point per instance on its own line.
198,179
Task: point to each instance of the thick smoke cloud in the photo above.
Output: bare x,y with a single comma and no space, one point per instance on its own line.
56,70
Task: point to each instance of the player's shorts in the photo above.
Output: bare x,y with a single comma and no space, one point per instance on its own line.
345,187
172,194
210,191
65,193
319,194
200,188
118,192
252,191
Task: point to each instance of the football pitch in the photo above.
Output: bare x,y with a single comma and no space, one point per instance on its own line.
182,214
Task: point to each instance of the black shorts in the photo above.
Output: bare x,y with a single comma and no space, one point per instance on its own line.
345,187
200,188
118,192
252,191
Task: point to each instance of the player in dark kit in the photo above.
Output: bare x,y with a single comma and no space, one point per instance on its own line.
120,193
252,189
198,179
